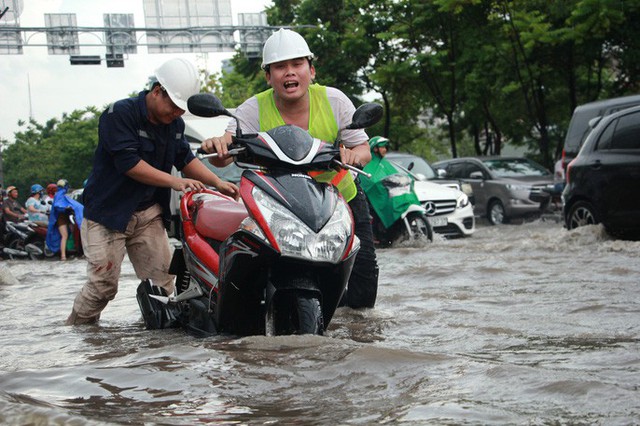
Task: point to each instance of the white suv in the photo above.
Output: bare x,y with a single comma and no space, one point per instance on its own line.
449,210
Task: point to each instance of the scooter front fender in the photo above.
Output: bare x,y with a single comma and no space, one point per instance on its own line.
252,274
413,208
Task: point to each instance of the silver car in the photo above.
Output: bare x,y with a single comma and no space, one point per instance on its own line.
504,187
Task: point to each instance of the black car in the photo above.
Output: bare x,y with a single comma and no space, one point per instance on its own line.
603,181
586,117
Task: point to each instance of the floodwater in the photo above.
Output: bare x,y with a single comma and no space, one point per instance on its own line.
519,324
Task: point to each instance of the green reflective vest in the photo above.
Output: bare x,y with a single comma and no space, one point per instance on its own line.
322,125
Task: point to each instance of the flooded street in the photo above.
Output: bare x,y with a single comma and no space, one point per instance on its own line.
519,324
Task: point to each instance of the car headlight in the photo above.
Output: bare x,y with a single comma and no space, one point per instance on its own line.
462,201
516,187
296,239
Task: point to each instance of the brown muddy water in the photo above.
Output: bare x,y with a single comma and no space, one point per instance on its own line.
519,324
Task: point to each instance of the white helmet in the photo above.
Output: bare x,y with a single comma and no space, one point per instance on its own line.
180,79
283,45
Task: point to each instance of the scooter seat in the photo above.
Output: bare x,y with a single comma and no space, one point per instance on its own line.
219,218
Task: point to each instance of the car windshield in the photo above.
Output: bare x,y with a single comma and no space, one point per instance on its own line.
513,167
420,166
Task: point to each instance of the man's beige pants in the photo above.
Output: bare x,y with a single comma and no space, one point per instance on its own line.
145,241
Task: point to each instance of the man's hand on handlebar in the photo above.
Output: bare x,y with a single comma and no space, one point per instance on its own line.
186,185
351,157
230,189
219,145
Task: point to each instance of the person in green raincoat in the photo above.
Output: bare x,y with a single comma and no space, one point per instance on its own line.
387,203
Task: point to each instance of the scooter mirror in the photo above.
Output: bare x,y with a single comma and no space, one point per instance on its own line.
366,115
206,105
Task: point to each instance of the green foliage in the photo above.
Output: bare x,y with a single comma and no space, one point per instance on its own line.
456,77
487,72
44,153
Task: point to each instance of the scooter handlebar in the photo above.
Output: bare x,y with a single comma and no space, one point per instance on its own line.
352,168
202,153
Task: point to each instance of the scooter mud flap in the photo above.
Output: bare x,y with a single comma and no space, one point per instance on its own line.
156,314
200,322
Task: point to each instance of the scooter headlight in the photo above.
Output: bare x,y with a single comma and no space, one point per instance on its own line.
297,240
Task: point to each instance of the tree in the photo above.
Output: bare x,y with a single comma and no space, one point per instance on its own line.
44,153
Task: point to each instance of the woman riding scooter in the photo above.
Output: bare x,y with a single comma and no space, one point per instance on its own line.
397,213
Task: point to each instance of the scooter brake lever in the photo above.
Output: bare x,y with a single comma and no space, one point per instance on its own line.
352,168
215,154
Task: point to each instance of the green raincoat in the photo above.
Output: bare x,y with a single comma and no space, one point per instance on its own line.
388,206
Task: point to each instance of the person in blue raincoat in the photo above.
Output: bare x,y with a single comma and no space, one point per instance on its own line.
58,230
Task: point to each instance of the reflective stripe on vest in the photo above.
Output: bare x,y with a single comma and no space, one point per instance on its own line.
341,180
322,125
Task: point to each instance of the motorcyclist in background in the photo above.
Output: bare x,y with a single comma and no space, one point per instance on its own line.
294,99
48,197
60,225
36,209
387,203
379,146
12,209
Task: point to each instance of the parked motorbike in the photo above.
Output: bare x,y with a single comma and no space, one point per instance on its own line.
27,239
24,240
276,263
398,216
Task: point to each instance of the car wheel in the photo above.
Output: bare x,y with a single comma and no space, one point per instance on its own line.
496,214
581,214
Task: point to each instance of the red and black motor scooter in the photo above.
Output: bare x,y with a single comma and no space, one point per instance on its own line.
275,263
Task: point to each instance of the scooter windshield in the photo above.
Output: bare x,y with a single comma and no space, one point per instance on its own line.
294,142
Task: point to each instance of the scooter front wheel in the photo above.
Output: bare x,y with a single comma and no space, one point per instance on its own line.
294,312
38,250
309,315
16,245
421,229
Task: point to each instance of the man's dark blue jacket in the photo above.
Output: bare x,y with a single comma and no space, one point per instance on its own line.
126,136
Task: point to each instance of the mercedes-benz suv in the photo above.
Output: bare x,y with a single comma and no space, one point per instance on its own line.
449,210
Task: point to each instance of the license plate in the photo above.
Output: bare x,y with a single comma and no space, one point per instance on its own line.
438,221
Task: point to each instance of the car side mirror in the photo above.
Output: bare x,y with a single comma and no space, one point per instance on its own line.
442,173
476,175
594,121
